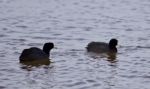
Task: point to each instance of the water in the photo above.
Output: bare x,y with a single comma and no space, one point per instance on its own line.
71,25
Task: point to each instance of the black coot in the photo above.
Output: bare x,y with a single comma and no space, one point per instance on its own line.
34,53
101,47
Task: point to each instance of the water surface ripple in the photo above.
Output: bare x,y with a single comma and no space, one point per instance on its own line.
71,25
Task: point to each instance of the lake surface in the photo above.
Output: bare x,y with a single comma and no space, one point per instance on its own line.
71,25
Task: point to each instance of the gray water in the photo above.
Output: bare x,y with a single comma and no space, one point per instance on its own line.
71,25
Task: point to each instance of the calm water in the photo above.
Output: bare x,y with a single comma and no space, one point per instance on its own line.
71,25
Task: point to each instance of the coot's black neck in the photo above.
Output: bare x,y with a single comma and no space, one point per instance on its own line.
47,47
46,51
113,48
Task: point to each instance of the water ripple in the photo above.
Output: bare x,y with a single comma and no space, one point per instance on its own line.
71,25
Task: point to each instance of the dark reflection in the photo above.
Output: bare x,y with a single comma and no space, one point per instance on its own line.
28,65
111,56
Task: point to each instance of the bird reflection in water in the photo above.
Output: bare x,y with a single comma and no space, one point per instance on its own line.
29,65
111,57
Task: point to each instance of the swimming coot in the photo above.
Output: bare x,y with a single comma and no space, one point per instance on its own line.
35,53
101,47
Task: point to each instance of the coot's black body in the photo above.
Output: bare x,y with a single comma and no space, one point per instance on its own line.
35,53
101,47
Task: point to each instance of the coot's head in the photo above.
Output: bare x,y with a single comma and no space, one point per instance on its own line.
113,43
47,47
